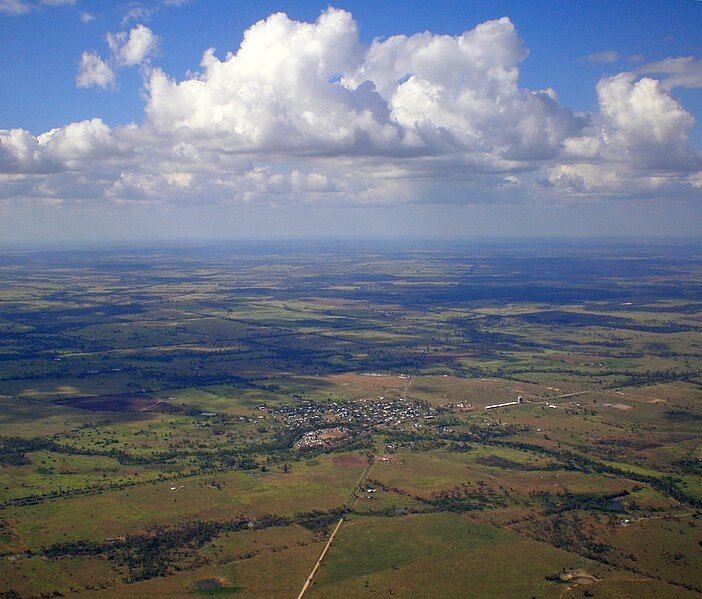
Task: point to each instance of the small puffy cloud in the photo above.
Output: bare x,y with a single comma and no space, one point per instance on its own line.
14,7
685,71
606,56
86,17
179,179
136,13
140,12
22,7
567,178
93,71
133,48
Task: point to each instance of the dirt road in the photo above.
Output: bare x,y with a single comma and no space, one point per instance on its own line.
349,505
308,582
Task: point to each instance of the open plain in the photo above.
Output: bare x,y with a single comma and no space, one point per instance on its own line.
185,421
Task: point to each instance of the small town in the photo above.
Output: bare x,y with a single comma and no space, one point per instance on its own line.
370,413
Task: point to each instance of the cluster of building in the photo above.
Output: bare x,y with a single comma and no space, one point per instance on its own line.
323,437
456,407
370,413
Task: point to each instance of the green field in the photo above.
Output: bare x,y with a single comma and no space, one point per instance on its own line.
197,423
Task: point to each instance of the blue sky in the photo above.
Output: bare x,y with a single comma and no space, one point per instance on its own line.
40,51
598,149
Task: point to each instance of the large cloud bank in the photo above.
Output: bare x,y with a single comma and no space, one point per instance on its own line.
303,112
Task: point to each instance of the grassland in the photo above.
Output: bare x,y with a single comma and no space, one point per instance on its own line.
195,421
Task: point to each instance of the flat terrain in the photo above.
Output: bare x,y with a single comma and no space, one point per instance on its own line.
188,421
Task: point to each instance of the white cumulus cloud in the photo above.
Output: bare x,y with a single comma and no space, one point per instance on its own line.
638,144
93,71
133,48
649,124
306,112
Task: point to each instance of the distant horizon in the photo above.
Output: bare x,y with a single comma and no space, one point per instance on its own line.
342,242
